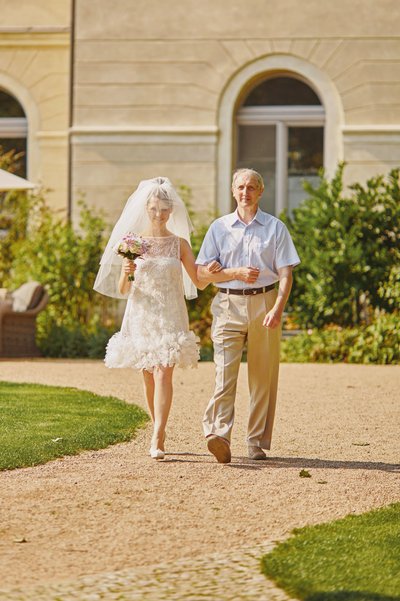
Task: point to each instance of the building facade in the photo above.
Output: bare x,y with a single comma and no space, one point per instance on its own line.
35,71
116,92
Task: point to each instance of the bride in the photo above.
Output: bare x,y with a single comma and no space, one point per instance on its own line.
155,335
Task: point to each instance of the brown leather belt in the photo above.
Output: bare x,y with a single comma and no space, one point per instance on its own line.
247,291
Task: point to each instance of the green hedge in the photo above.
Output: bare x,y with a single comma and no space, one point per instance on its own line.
377,343
74,342
348,242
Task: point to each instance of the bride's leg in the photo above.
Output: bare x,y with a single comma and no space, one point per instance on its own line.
162,403
148,381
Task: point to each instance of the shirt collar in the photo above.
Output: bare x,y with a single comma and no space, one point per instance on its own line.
233,218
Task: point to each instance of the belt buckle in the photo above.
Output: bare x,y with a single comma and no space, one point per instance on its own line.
254,291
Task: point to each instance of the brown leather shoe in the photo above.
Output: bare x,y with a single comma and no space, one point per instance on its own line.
220,448
256,452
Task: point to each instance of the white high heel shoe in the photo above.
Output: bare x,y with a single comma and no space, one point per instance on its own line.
156,453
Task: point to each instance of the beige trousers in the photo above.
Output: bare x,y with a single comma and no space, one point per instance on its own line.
237,319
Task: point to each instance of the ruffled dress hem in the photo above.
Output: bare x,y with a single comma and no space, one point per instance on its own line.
178,348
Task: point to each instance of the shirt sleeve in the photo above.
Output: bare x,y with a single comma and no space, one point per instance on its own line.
209,250
285,251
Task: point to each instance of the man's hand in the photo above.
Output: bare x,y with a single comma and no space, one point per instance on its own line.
247,274
272,319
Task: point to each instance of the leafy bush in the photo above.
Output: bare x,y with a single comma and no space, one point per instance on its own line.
65,260
347,244
200,317
14,214
199,309
40,245
73,341
378,342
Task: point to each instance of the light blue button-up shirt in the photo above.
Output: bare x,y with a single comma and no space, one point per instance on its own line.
264,243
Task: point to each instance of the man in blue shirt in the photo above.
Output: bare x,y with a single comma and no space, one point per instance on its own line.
249,310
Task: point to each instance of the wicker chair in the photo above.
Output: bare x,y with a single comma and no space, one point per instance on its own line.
18,328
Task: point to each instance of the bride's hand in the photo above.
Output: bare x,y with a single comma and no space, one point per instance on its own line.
128,266
214,267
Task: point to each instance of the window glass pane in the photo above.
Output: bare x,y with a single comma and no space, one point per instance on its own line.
280,91
19,145
9,106
257,151
305,158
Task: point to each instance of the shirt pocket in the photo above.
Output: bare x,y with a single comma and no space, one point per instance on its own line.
262,253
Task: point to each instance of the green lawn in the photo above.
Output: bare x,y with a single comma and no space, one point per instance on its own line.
39,423
353,559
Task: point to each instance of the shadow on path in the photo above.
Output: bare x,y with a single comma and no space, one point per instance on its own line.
284,462
304,462
349,596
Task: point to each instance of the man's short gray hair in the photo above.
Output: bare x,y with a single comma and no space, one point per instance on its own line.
252,172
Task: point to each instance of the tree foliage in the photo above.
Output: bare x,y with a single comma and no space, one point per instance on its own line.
41,245
348,243
200,317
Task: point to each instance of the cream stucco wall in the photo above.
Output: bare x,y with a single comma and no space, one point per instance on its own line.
156,85
35,68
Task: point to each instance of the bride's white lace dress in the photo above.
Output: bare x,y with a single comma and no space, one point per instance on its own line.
155,328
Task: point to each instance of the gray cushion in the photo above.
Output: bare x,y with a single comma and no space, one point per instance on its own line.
23,296
36,297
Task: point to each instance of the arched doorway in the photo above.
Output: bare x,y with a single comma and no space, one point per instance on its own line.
280,133
13,129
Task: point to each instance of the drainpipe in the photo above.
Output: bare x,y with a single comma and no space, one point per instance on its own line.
71,108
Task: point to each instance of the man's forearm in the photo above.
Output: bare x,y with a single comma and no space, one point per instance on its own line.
285,286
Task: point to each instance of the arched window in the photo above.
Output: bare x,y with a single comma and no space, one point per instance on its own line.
280,133
13,129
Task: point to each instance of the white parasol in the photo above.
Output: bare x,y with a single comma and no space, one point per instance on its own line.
9,181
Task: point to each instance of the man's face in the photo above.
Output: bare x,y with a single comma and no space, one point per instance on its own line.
246,191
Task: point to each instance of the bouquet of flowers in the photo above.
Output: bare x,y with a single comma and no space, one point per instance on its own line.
131,247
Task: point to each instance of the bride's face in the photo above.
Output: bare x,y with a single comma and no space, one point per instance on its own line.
158,210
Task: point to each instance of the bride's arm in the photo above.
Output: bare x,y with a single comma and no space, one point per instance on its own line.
187,259
128,267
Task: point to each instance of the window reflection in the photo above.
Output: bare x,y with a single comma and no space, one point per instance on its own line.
257,151
305,150
13,128
19,146
282,91
9,106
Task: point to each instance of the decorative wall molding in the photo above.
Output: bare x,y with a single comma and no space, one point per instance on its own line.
385,128
144,135
17,38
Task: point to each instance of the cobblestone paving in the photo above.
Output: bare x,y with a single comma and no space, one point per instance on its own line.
234,576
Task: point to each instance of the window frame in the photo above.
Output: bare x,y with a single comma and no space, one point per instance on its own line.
232,97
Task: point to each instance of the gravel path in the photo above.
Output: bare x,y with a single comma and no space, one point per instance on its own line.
114,524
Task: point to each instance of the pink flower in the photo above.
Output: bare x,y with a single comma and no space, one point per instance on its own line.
131,247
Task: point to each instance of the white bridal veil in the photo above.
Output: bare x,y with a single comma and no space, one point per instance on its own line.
134,219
